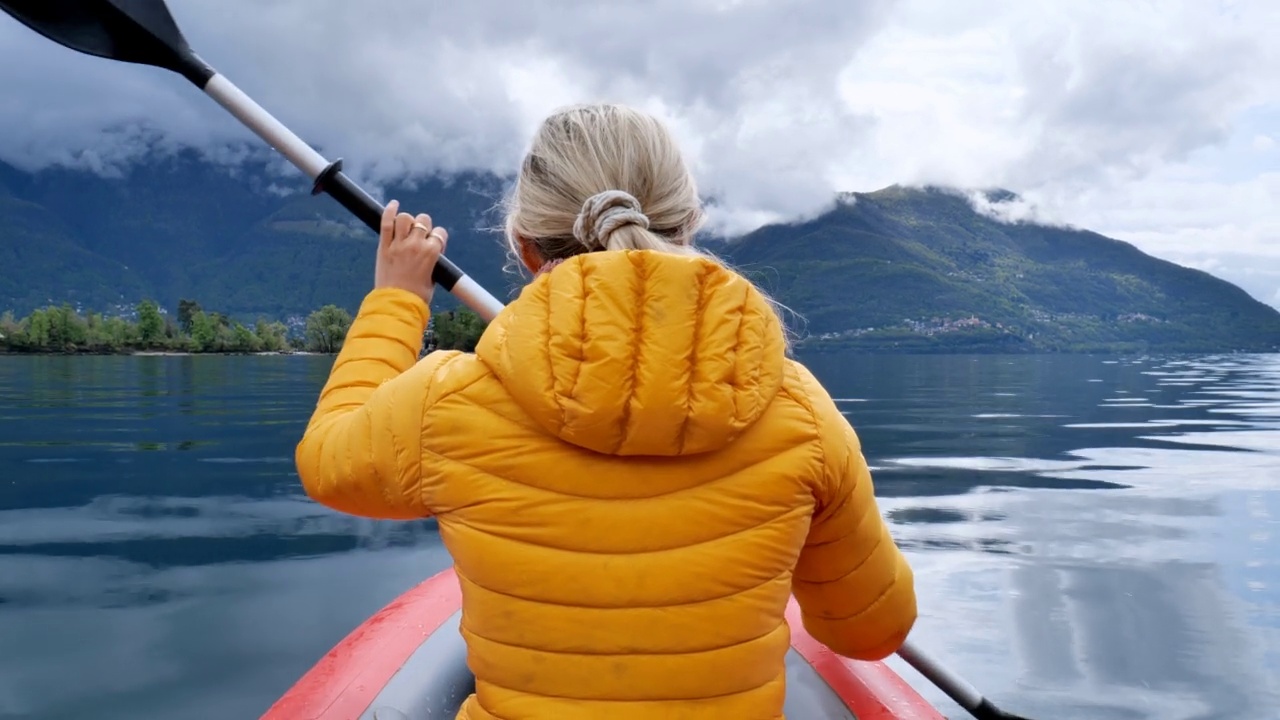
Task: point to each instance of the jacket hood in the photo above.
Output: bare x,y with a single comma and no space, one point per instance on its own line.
639,353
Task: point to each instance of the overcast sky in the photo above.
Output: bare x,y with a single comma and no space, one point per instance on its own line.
1156,122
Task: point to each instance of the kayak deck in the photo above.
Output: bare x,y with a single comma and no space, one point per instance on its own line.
408,661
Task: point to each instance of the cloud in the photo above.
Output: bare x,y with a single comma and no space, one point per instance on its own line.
1007,208
1152,122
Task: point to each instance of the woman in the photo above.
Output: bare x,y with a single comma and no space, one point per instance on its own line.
630,475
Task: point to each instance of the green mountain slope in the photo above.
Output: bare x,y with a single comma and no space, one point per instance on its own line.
920,269
311,252
897,269
238,240
42,262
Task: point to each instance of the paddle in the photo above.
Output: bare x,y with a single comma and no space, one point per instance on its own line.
953,685
144,32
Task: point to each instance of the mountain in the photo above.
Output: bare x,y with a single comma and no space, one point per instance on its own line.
921,269
238,239
896,269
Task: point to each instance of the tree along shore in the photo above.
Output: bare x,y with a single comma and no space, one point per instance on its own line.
60,329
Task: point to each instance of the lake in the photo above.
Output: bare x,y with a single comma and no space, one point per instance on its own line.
1093,537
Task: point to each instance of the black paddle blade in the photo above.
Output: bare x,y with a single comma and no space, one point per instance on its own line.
134,31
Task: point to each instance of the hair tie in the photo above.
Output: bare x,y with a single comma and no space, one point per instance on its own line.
604,213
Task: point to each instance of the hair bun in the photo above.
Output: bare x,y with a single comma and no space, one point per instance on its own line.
604,213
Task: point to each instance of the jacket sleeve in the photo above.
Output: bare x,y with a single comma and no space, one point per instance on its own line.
362,450
853,584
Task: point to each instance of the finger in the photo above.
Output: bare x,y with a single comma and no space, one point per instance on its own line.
421,226
442,236
387,229
403,222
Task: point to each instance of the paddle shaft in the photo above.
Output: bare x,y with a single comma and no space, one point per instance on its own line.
329,178
143,31
155,40
966,695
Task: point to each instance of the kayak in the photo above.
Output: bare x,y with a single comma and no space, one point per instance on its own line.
408,661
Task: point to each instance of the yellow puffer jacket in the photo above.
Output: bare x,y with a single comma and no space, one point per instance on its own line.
632,479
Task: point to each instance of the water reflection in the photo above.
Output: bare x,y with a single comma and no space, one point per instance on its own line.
214,641
176,531
1093,538
1154,599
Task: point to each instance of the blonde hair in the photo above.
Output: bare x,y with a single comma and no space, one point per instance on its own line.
604,177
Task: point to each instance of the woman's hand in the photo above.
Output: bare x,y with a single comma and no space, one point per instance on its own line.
407,251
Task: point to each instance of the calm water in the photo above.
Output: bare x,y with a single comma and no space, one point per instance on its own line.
1093,538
